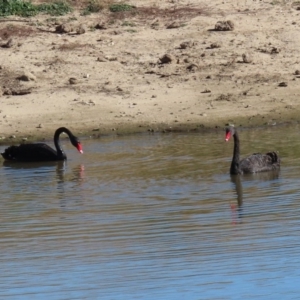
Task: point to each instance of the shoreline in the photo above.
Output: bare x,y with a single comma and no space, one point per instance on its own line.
126,74
129,129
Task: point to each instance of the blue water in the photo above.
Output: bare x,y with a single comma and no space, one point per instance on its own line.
153,217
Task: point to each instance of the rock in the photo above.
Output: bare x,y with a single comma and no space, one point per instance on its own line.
173,25
226,97
73,80
192,67
274,50
16,91
187,44
8,44
224,26
247,58
27,76
81,29
297,72
7,91
155,24
101,58
215,45
283,84
166,59
101,26
64,28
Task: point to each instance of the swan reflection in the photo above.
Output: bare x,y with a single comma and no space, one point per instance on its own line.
237,210
34,165
70,180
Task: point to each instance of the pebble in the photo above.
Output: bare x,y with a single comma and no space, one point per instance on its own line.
72,80
283,84
27,76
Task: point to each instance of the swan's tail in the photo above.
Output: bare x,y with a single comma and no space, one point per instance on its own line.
274,157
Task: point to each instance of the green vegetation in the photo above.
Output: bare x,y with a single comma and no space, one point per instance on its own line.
93,7
118,7
276,2
55,9
27,9
131,30
15,7
127,23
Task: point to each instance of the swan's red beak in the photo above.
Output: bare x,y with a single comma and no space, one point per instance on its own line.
227,136
79,148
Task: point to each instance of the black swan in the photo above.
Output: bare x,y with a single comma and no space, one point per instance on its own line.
41,151
254,163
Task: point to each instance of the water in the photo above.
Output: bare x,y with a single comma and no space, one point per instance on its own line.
153,217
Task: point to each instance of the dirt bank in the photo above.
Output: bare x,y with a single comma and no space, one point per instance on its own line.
164,66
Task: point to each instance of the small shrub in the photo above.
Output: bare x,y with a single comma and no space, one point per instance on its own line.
127,23
55,9
16,7
119,7
93,6
131,30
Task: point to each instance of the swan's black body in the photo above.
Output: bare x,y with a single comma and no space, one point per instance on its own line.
256,162
41,151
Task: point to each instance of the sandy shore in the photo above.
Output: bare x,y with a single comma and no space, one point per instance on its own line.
163,68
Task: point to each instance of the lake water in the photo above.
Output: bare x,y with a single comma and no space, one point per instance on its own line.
153,216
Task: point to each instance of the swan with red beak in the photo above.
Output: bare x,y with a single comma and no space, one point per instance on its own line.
254,163
41,151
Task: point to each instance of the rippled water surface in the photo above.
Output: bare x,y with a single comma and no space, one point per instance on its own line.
153,217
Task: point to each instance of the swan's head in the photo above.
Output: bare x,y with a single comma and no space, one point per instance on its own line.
229,132
76,143
79,147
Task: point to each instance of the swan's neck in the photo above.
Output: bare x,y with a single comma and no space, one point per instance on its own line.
59,150
235,164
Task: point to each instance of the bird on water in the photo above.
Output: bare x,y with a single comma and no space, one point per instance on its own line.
254,163
41,151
